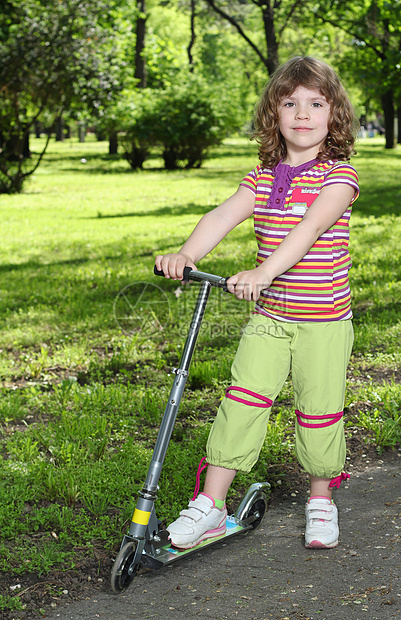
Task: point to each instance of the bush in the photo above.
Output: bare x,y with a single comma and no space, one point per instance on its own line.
192,119
138,108
185,119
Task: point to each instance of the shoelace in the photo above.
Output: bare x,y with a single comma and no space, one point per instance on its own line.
336,482
202,465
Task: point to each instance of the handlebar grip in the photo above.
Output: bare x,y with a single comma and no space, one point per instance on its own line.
187,271
159,272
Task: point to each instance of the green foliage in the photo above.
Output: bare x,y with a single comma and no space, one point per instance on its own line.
373,55
378,410
192,118
166,40
51,54
137,112
8,602
185,120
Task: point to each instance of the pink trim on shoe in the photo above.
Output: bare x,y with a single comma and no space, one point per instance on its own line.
316,544
213,500
319,497
218,531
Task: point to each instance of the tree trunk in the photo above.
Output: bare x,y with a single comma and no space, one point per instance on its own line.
59,130
388,110
81,132
270,36
399,124
193,37
113,143
140,64
26,151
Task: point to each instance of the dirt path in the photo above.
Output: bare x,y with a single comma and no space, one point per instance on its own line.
269,575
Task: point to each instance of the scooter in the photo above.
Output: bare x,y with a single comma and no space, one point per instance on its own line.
146,544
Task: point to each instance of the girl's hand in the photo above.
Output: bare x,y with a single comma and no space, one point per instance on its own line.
173,265
249,284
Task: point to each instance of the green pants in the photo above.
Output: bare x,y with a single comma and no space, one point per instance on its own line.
317,354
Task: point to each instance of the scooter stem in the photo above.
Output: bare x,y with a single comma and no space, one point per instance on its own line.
149,491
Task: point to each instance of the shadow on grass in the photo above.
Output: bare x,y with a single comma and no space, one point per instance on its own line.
386,314
372,205
374,150
37,265
93,164
380,202
203,173
190,208
96,163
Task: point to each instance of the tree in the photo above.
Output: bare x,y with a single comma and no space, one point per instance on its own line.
275,16
52,52
375,28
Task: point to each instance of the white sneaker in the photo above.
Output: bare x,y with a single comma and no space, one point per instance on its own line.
200,521
321,524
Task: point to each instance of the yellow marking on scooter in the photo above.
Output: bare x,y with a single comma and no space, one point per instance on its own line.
141,517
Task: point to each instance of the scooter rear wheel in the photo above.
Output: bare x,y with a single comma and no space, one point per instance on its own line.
257,509
121,574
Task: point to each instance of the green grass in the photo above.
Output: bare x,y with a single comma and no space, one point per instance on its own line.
89,338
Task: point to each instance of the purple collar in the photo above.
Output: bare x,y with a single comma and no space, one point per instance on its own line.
292,171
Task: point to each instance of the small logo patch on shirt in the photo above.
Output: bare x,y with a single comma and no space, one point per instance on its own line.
304,195
299,208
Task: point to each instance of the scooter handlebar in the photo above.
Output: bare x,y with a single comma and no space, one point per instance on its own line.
160,272
200,276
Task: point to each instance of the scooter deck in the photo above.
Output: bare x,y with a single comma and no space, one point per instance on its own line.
165,553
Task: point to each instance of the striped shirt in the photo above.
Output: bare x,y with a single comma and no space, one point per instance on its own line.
316,288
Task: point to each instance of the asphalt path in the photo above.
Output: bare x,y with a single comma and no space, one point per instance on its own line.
269,575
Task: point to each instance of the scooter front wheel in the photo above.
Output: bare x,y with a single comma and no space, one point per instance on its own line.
123,572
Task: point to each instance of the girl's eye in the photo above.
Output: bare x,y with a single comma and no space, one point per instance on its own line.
289,104
316,104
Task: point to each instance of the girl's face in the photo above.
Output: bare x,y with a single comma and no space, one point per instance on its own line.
303,122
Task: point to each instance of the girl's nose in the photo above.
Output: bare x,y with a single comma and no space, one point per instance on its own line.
302,112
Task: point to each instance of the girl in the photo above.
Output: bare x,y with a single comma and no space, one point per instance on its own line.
300,197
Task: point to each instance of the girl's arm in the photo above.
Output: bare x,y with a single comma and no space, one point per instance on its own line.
328,207
208,233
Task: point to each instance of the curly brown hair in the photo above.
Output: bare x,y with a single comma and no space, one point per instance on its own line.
315,75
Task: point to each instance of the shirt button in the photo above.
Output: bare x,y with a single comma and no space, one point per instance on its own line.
278,201
280,189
